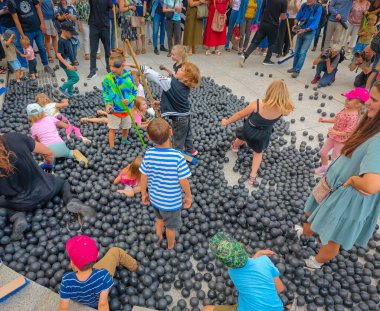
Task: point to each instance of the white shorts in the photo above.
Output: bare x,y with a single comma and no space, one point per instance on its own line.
115,122
50,28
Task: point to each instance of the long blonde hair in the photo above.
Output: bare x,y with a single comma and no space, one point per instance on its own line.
181,50
42,99
277,96
133,169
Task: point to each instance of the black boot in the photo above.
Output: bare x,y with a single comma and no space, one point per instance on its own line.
163,49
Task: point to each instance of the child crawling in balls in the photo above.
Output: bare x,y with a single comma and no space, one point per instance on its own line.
165,173
130,177
261,115
91,281
256,279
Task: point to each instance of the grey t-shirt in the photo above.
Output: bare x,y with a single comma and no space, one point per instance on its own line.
10,52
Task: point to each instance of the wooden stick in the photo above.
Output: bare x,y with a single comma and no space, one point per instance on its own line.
142,77
115,24
289,34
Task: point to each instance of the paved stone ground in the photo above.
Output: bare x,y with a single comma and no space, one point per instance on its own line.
243,82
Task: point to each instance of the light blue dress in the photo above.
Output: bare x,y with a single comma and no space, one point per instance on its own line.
346,216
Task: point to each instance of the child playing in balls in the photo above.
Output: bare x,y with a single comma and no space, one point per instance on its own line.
256,279
130,177
52,109
139,112
44,130
179,56
119,93
140,87
91,281
165,173
29,55
345,123
261,117
175,103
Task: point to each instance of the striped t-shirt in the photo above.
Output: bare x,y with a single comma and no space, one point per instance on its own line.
165,167
86,292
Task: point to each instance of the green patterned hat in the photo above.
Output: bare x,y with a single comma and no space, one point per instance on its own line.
228,250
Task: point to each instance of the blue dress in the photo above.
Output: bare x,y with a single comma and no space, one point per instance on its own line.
346,216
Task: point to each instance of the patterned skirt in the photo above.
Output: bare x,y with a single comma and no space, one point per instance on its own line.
127,31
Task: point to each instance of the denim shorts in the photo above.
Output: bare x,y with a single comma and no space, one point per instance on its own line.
14,64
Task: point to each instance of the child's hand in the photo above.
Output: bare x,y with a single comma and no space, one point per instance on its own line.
264,252
333,132
322,120
187,202
145,199
224,122
156,103
71,68
125,101
108,108
162,67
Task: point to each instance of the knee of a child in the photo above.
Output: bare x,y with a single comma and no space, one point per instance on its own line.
114,250
208,308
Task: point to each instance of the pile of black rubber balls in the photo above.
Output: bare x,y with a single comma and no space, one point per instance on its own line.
260,219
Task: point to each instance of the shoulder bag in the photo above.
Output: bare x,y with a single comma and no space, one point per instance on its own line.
135,20
202,11
218,21
169,15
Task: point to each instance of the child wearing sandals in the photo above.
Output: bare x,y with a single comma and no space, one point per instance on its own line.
44,130
29,55
130,177
345,123
52,109
258,126
179,55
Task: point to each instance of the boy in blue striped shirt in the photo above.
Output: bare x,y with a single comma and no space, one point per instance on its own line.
165,172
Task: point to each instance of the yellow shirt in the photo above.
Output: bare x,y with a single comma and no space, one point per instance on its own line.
251,9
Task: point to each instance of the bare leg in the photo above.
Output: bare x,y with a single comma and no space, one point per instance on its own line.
170,234
327,252
307,227
208,308
94,120
125,133
111,137
256,161
54,39
325,160
159,228
238,142
143,42
47,44
18,75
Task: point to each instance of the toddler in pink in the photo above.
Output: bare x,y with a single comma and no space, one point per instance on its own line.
29,55
130,177
345,123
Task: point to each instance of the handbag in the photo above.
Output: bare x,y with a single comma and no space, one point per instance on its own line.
136,21
202,11
169,15
218,21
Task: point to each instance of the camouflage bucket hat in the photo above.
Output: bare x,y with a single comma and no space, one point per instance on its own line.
228,250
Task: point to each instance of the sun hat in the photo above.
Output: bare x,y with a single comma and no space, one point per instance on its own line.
358,93
34,109
82,250
228,250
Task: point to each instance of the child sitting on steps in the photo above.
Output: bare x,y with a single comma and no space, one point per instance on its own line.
130,177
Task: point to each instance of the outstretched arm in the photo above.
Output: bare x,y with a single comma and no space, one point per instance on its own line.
155,77
240,114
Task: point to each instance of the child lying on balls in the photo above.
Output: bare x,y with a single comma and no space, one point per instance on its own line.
91,281
130,178
165,173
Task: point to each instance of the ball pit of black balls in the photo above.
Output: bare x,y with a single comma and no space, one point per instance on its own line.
324,113
302,119
332,115
319,110
331,97
306,86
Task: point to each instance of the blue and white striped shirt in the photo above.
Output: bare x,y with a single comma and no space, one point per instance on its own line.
165,167
86,292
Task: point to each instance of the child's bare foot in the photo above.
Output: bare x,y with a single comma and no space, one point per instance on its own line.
33,76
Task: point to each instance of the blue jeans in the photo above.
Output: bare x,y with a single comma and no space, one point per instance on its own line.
16,42
231,24
38,36
302,46
327,77
112,34
158,21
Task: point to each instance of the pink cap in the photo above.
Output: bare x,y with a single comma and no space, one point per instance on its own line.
358,93
82,250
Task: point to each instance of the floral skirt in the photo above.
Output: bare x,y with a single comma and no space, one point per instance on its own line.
127,31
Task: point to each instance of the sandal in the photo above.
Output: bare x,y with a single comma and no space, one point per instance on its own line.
252,180
217,52
51,60
208,52
138,52
143,51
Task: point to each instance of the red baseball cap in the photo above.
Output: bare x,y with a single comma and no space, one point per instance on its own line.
358,93
82,250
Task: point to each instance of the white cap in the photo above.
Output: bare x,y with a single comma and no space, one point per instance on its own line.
33,109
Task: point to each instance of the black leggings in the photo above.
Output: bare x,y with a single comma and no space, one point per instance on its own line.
265,30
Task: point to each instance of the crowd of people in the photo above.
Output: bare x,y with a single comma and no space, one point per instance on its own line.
352,180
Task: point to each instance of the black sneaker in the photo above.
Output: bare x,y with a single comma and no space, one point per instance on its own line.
156,51
163,49
169,54
268,63
91,75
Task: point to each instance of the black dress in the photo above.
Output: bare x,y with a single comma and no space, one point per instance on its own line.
256,131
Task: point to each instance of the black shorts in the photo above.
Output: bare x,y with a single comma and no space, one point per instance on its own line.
172,220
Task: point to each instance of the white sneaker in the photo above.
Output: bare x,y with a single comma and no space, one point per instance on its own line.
312,263
85,140
242,60
299,231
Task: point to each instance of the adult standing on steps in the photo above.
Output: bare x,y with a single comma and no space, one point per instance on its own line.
348,214
305,25
269,25
99,30
29,22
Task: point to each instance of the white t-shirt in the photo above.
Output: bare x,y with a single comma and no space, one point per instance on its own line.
236,5
50,110
140,90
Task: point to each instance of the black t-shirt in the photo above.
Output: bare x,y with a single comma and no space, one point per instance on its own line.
28,184
175,67
273,10
26,12
65,48
6,20
99,13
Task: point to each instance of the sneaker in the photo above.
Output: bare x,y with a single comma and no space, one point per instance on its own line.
76,206
314,48
299,230
321,170
312,263
242,60
48,69
124,140
80,157
268,63
91,75
194,152
64,93
295,74
156,51
85,140
315,80
163,49
291,70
